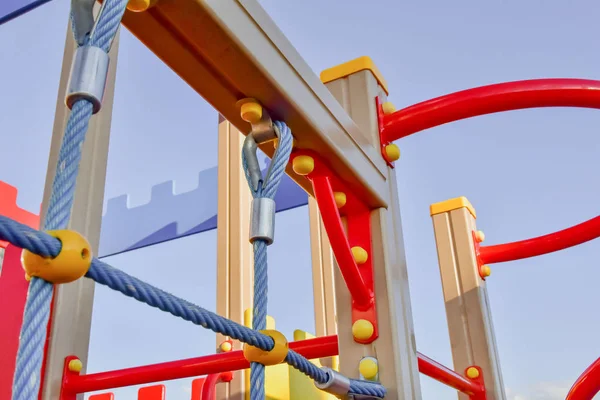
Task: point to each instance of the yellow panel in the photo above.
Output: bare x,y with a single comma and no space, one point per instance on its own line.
348,68
301,386
452,204
276,377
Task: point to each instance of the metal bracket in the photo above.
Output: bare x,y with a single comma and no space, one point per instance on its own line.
83,21
262,130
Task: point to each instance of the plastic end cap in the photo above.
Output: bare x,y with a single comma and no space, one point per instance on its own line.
70,264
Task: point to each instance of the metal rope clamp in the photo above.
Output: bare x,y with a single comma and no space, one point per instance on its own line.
262,216
89,69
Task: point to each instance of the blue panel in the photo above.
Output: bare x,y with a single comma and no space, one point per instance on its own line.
10,9
167,216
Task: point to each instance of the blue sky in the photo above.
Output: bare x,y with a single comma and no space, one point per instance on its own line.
527,173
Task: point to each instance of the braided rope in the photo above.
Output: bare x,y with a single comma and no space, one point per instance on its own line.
266,189
45,245
30,355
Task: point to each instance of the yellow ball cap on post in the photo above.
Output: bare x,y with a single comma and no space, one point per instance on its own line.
72,263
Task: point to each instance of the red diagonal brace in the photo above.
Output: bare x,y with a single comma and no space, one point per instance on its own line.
358,277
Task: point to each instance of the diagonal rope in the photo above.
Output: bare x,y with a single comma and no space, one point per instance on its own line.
30,355
45,245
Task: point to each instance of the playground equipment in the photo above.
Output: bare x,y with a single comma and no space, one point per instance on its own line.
341,153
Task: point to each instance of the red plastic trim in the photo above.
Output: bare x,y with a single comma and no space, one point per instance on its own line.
209,389
490,99
74,383
587,385
156,392
471,387
537,246
359,278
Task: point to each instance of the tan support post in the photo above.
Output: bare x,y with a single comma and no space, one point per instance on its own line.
465,294
356,85
72,307
234,257
323,270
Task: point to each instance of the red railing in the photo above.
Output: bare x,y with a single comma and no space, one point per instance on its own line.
448,377
587,385
217,365
490,99
552,242
209,389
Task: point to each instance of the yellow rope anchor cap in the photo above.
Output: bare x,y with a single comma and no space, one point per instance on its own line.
70,264
273,357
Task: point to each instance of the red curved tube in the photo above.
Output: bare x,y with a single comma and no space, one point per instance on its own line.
490,99
552,242
209,389
587,385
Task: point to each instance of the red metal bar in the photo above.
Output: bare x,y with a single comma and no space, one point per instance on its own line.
74,383
448,377
587,385
537,246
500,97
361,295
209,389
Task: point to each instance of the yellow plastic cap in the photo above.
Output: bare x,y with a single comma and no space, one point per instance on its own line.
72,263
360,255
388,107
140,5
368,368
362,329
392,152
479,236
340,199
486,271
251,112
472,373
303,165
226,346
273,357
75,365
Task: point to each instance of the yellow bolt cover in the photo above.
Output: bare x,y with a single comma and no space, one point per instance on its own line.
479,236
273,357
392,152
303,165
75,365
388,107
226,347
472,373
360,255
486,271
362,329
368,368
340,199
70,264
140,5
251,112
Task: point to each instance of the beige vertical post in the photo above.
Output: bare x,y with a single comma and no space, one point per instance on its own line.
465,294
72,312
323,272
356,85
234,257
